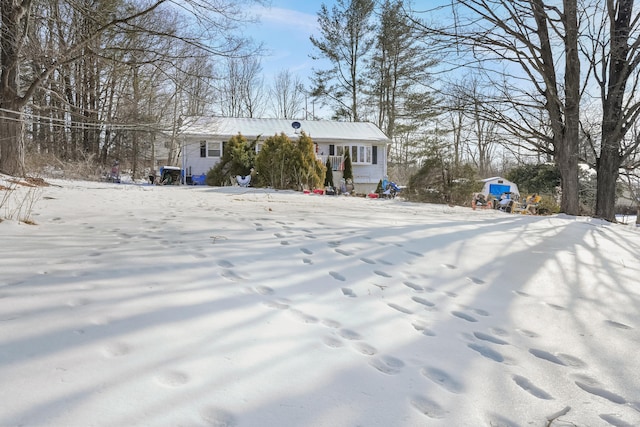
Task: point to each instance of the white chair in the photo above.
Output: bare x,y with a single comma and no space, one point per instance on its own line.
243,181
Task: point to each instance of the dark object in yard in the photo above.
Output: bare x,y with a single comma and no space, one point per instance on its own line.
170,175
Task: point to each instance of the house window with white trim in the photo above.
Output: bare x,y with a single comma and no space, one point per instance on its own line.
210,149
360,154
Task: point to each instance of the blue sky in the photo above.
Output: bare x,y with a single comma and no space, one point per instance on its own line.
284,29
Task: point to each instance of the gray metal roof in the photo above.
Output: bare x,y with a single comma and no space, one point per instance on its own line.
318,130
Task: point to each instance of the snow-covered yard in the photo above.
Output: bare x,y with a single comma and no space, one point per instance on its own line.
139,305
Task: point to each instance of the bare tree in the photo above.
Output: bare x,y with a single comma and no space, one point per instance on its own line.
240,87
521,43
287,95
613,51
473,133
74,34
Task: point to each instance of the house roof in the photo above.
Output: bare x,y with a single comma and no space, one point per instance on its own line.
318,130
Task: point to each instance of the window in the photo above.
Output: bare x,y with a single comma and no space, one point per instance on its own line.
360,154
210,149
214,149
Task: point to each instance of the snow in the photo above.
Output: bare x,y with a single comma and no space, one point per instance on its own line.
140,305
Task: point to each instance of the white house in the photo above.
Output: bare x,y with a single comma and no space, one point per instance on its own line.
203,139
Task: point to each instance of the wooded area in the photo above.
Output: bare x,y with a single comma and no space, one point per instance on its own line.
468,85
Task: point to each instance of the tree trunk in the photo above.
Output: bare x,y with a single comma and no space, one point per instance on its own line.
11,140
570,147
567,161
613,114
14,17
607,177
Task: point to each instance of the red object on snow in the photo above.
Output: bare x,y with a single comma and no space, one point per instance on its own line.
373,195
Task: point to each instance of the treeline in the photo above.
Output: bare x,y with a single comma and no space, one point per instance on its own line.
468,86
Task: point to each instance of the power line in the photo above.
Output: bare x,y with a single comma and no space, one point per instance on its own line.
72,124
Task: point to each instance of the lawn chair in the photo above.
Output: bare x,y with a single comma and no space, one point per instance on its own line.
243,181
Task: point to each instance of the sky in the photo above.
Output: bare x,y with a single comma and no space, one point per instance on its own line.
285,28
138,305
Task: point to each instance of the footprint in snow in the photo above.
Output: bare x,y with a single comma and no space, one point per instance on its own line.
382,273
303,317
427,407
117,349
337,276
486,352
592,386
264,290
545,355
332,342
417,254
199,255
279,305
348,334
367,260
365,349
330,323
475,280
443,379
528,333
343,252
522,294
615,421
617,324
528,386
449,266
423,301
225,264
306,251
413,286
231,275
555,306
489,338
217,417
500,332
348,293
172,378
464,316
400,308
387,364
422,328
